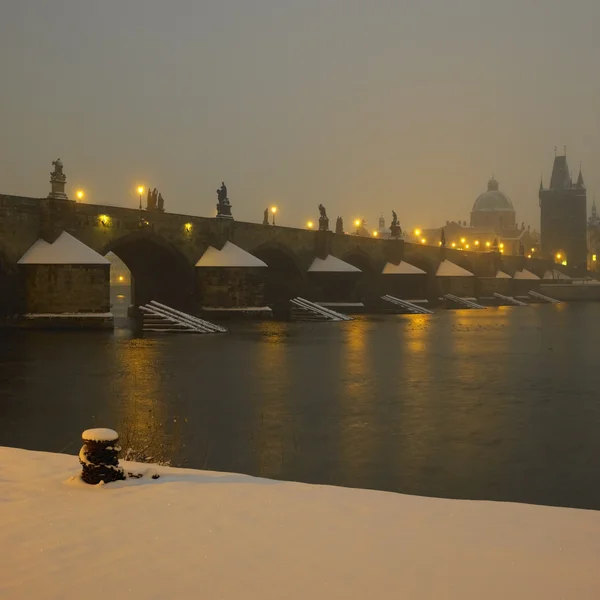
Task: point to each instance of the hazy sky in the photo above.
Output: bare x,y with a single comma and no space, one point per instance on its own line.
365,106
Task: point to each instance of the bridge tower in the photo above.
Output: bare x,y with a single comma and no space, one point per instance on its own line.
563,216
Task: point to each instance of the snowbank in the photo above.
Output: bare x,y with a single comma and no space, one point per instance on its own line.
449,269
229,256
66,250
403,268
331,264
193,534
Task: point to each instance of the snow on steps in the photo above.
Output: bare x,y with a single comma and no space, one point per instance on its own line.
542,298
304,310
462,302
407,306
509,300
162,318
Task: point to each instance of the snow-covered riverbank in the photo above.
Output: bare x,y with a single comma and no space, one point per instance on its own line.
194,534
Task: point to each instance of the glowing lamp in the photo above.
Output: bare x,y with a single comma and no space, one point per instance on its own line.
104,220
273,209
453,244
357,222
80,194
417,232
467,246
594,257
423,241
187,227
375,234
462,240
310,224
121,278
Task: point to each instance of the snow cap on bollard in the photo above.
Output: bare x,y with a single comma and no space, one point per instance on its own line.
99,456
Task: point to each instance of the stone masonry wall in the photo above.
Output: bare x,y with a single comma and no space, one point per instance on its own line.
57,289
231,287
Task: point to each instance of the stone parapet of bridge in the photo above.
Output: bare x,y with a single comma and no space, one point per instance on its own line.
161,249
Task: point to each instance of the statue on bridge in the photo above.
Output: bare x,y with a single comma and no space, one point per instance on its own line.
443,239
57,181
395,229
155,201
339,225
223,204
57,174
266,217
323,220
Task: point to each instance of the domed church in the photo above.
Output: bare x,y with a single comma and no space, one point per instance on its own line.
493,220
493,209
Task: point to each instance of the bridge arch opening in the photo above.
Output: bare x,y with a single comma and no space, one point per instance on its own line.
158,270
368,287
283,278
11,288
422,286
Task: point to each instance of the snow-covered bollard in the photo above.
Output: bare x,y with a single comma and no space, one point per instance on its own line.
99,456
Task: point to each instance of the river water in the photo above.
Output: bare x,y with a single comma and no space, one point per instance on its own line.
498,404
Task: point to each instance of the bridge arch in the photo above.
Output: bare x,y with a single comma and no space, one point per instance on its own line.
159,271
285,277
361,260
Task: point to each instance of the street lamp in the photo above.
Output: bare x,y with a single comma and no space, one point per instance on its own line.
80,194
310,224
273,211
140,191
375,233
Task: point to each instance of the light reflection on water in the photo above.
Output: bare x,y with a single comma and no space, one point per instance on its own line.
495,404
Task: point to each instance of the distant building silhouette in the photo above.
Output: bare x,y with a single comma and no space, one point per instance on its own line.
563,216
593,239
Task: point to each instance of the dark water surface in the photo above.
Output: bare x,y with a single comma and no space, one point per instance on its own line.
499,404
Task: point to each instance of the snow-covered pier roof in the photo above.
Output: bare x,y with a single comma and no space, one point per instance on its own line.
229,256
65,250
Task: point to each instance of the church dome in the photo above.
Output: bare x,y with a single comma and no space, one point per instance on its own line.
493,199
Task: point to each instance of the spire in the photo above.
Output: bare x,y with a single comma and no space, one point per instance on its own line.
580,183
560,174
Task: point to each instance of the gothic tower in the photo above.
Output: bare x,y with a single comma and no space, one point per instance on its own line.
563,216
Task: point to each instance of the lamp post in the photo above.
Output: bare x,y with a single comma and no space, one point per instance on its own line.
80,195
140,192
273,211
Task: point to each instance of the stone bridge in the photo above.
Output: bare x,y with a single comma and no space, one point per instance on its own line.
161,250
